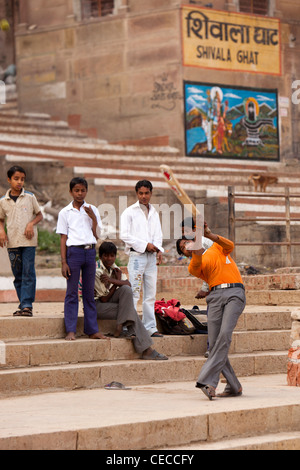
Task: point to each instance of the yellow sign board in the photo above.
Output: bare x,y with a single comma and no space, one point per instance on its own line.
230,41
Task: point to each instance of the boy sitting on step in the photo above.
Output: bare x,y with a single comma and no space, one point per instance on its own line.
114,301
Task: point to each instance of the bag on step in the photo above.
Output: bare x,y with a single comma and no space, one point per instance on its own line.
191,314
171,320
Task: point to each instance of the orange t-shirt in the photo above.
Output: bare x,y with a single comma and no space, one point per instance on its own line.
216,266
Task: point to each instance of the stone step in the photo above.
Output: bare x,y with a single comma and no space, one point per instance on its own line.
275,441
181,165
29,121
48,322
186,294
149,417
289,281
58,351
41,131
183,289
89,375
89,146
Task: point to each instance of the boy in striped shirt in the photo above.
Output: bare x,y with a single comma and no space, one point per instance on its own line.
20,211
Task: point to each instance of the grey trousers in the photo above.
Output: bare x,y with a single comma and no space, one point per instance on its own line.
224,309
120,307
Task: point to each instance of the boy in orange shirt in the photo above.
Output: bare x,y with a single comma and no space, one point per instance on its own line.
226,302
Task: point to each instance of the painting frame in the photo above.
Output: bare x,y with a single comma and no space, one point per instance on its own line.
220,123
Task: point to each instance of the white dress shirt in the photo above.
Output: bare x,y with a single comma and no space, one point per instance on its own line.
77,225
137,230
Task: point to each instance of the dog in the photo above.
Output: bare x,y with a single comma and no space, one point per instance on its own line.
262,181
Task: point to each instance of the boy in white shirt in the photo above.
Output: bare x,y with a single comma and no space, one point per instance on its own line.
141,232
79,226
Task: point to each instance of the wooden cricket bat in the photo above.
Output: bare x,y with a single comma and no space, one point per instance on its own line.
178,190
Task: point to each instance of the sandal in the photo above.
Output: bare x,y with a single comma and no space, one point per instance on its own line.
116,386
155,356
17,313
229,393
26,312
208,390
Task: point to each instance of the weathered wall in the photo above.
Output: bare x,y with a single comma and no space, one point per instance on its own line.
123,74
114,73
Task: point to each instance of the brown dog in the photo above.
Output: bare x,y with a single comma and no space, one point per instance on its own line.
262,181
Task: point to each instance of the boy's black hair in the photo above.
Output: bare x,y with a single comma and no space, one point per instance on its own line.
188,222
145,184
106,248
14,170
178,246
78,180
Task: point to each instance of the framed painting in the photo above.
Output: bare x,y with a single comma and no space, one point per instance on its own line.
231,122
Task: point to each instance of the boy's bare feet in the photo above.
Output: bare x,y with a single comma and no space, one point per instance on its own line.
118,331
98,336
70,336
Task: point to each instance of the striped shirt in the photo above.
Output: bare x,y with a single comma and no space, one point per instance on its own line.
17,215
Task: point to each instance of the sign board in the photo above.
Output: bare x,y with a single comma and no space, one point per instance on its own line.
230,41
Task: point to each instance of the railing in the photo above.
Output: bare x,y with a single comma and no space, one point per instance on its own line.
287,218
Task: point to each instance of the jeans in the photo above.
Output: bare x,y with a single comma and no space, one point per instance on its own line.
22,261
78,260
142,270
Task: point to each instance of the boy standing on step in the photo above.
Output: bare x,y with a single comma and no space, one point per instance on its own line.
21,212
141,232
79,226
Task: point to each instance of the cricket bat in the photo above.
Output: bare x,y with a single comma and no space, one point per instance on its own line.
178,190
186,201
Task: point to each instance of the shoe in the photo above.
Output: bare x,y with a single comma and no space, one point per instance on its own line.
206,354
156,334
116,386
229,393
208,390
155,356
26,312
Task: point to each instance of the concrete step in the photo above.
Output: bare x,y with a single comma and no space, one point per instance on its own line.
58,351
89,375
149,417
48,322
36,359
53,131
256,282
90,146
275,441
286,298
30,121
51,278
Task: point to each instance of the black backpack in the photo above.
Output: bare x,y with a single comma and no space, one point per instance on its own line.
168,326
200,326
